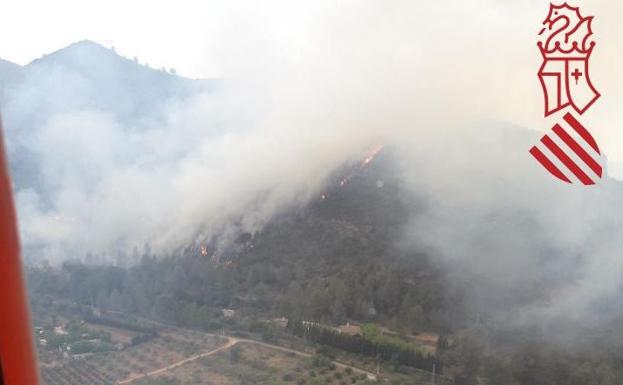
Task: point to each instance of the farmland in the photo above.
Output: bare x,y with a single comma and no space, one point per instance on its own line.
248,363
186,357
74,373
103,368
170,347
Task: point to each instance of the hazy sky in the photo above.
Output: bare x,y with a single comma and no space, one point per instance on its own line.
161,33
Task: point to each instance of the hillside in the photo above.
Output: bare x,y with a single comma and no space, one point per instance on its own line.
334,260
84,77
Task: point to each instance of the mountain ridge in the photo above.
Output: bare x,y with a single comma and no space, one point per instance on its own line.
78,49
83,77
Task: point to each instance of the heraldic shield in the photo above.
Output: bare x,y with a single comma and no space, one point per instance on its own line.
566,82
566,49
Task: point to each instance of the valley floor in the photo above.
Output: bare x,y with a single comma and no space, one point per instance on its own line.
189,357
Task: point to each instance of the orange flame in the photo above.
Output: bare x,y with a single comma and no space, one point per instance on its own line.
372,155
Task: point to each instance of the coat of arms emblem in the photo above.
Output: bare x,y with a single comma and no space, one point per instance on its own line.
570,152
566,47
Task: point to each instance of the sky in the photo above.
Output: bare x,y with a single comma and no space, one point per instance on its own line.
161,33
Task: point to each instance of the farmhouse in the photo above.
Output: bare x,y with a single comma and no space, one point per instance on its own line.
351,330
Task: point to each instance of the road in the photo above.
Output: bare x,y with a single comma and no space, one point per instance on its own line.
231,341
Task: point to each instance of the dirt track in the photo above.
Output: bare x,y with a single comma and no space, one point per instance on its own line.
231,341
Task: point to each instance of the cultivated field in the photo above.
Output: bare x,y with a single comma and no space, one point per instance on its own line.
74,373
251,364
169,348
186,357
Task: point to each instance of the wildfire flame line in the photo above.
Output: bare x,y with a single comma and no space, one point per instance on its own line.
364,163
375,151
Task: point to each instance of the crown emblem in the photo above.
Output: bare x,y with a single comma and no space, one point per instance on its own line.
566,34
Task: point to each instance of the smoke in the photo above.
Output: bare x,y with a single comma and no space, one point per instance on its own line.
529,250
308,87
109,187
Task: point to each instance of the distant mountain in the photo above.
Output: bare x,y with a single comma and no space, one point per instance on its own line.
84,76
87,75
